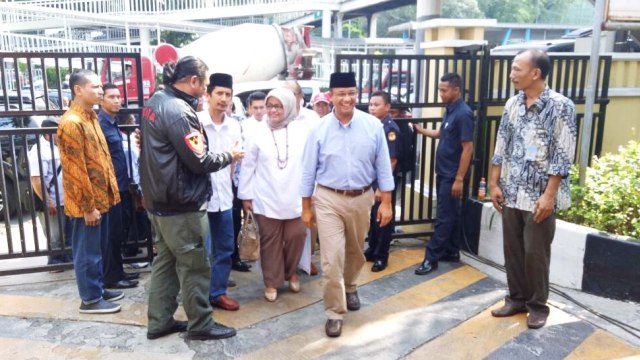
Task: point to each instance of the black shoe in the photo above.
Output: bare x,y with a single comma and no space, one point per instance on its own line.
509,309
369,257
112,295
241,266
379,265
217,331
99,307
333,328
536,320
451,257
353,301
131,275
178,326
426,267
122,284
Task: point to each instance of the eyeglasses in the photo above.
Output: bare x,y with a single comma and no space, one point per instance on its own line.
274,107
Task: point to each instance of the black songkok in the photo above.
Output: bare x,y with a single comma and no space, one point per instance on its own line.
342,80
220,79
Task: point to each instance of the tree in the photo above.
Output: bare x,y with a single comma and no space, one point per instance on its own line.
354,28
526,11
509,11
461,9
177,39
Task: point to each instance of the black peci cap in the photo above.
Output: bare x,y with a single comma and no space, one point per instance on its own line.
222,80
342,80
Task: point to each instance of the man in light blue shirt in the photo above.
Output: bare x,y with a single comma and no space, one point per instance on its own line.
343,156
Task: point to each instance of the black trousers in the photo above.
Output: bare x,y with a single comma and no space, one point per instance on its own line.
446,238
379,238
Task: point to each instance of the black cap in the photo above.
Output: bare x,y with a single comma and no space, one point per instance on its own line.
220,79
50,122
342,80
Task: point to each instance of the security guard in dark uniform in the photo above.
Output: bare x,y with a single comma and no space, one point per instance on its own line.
453,157
379,238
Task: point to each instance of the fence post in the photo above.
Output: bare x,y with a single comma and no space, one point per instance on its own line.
480,158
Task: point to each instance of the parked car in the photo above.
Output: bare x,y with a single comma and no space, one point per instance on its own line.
566,43
54,96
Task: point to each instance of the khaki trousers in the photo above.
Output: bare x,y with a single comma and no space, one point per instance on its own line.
343,223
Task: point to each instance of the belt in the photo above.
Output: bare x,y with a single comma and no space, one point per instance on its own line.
350,193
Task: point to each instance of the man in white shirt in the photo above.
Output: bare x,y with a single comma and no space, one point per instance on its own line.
223,133
256,111
53,206
304,114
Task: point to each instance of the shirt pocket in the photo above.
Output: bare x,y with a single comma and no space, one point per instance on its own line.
542,139
448,130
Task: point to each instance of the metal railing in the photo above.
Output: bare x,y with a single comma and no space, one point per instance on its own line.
42,76
414,79
26,236
160,7
35,43
21,112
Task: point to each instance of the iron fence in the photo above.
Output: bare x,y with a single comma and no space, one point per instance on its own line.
32,89
413,80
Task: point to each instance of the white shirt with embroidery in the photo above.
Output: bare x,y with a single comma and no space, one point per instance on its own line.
220,139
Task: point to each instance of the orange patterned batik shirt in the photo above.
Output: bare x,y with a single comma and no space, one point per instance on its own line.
89,181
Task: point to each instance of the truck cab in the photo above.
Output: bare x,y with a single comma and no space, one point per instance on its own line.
122,73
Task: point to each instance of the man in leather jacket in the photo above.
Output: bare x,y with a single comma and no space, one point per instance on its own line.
174,171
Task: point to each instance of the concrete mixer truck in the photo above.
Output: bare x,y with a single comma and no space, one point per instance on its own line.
250,52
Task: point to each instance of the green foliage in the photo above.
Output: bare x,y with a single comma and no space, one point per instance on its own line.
354,28
526,11
461,9
394,17
52,79
177,39
515,11
505,11
610,198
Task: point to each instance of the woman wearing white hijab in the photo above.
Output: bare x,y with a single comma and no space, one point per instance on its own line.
269,182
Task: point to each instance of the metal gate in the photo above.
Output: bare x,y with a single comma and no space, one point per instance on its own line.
413,80
33,87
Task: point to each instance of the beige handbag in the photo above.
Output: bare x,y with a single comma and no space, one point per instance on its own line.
249,239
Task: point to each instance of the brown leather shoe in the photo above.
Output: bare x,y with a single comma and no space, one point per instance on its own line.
313,270
353,301
333,328
536,320
226,303
508,309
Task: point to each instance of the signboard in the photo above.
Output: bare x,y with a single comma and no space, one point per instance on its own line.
622,10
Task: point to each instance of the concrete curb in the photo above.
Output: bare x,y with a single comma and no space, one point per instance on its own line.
582,258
